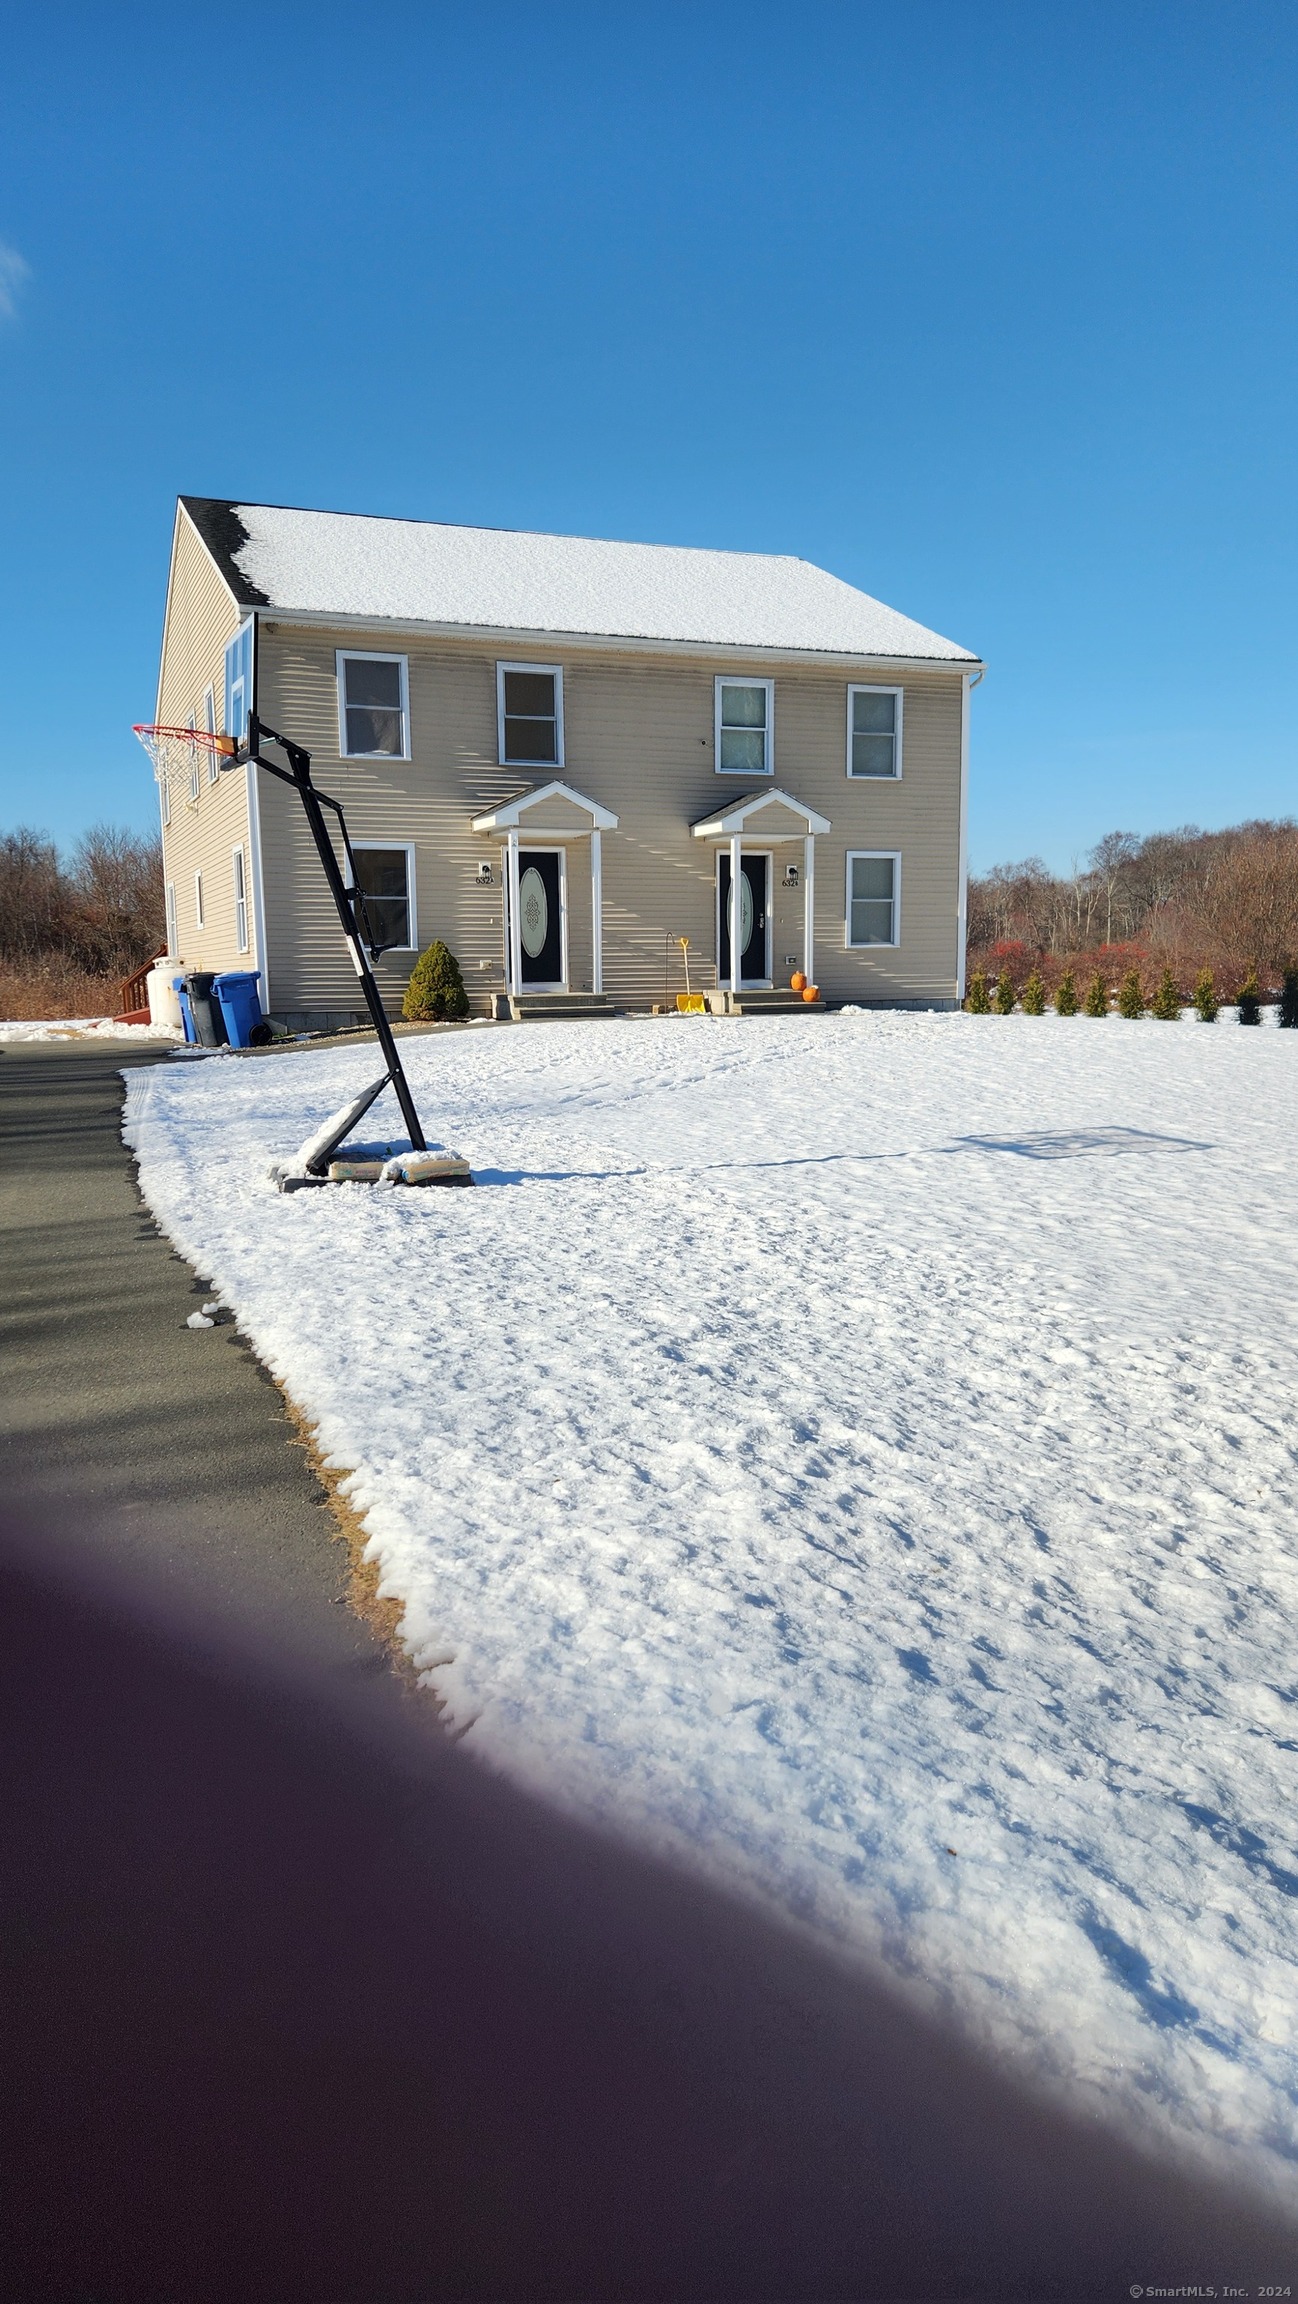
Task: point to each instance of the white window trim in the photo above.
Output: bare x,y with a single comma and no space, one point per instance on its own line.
195,781
404,848
173,922
743,680
344,656
239,879
553,672
894,857
209,722
199,921
875,688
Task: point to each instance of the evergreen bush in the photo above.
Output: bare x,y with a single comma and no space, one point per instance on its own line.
1096,1002
435,993
1288,1017
1205,997
1034,995
1166,1003
1066,994
1004,993
978,1002
1250,999
1131,997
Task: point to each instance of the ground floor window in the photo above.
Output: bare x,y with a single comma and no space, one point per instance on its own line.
198,899
873,897
385,876
240,902
173,935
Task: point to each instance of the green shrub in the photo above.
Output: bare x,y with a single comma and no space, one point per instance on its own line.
1066,994
1034,995
1289,1000
1205,997
1096,1002
1131,997
1250,999
978,1001
1004,994
435,993
1166,1003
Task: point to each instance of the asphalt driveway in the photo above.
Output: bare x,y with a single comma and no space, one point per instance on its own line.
166,1447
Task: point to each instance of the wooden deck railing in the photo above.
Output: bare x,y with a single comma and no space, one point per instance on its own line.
134,989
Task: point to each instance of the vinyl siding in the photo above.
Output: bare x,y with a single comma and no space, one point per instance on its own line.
202,834
639,740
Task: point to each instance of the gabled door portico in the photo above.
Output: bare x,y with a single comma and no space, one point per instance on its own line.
537,827
758,821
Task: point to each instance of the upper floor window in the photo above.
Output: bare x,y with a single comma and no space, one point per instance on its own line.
193,763
745,717
373,707
529,705
874,731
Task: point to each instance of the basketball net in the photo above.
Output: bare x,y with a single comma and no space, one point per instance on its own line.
182,757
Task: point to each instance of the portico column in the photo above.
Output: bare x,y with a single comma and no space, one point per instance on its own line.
809,907
736,869
596,913
515,925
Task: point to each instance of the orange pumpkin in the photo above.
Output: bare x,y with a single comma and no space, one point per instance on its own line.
797,982
810,991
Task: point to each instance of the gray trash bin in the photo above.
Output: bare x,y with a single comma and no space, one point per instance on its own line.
205,1009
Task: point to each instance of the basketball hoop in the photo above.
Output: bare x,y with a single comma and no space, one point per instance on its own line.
177,752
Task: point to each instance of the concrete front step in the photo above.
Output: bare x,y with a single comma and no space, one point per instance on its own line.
531,1007
754,1003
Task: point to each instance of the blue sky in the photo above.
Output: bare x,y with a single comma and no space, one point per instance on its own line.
989,308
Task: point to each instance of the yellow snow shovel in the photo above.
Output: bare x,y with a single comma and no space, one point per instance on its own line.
689,1003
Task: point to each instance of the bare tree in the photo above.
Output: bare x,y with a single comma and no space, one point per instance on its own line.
1226,900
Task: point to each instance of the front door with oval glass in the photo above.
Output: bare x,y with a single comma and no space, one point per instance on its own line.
540,917
754,919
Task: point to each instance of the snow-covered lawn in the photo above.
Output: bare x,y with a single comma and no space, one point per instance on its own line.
856,1454
83,1028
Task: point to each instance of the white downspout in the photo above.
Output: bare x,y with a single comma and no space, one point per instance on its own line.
257,892
968,682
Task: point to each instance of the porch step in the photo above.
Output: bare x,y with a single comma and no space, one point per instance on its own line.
531,1007
781,1003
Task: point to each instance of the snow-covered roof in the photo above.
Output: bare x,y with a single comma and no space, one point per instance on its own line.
505,580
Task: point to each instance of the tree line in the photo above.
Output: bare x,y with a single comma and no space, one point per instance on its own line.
1185,901
72,923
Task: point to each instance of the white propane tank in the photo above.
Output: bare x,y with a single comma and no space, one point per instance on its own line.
164,1001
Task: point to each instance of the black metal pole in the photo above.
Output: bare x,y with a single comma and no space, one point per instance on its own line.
299,762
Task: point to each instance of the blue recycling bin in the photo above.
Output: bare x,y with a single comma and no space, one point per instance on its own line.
186,1012
236,992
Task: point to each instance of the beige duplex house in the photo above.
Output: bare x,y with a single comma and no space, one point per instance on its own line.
561,756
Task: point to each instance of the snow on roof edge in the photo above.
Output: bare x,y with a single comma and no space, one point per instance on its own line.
376,567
